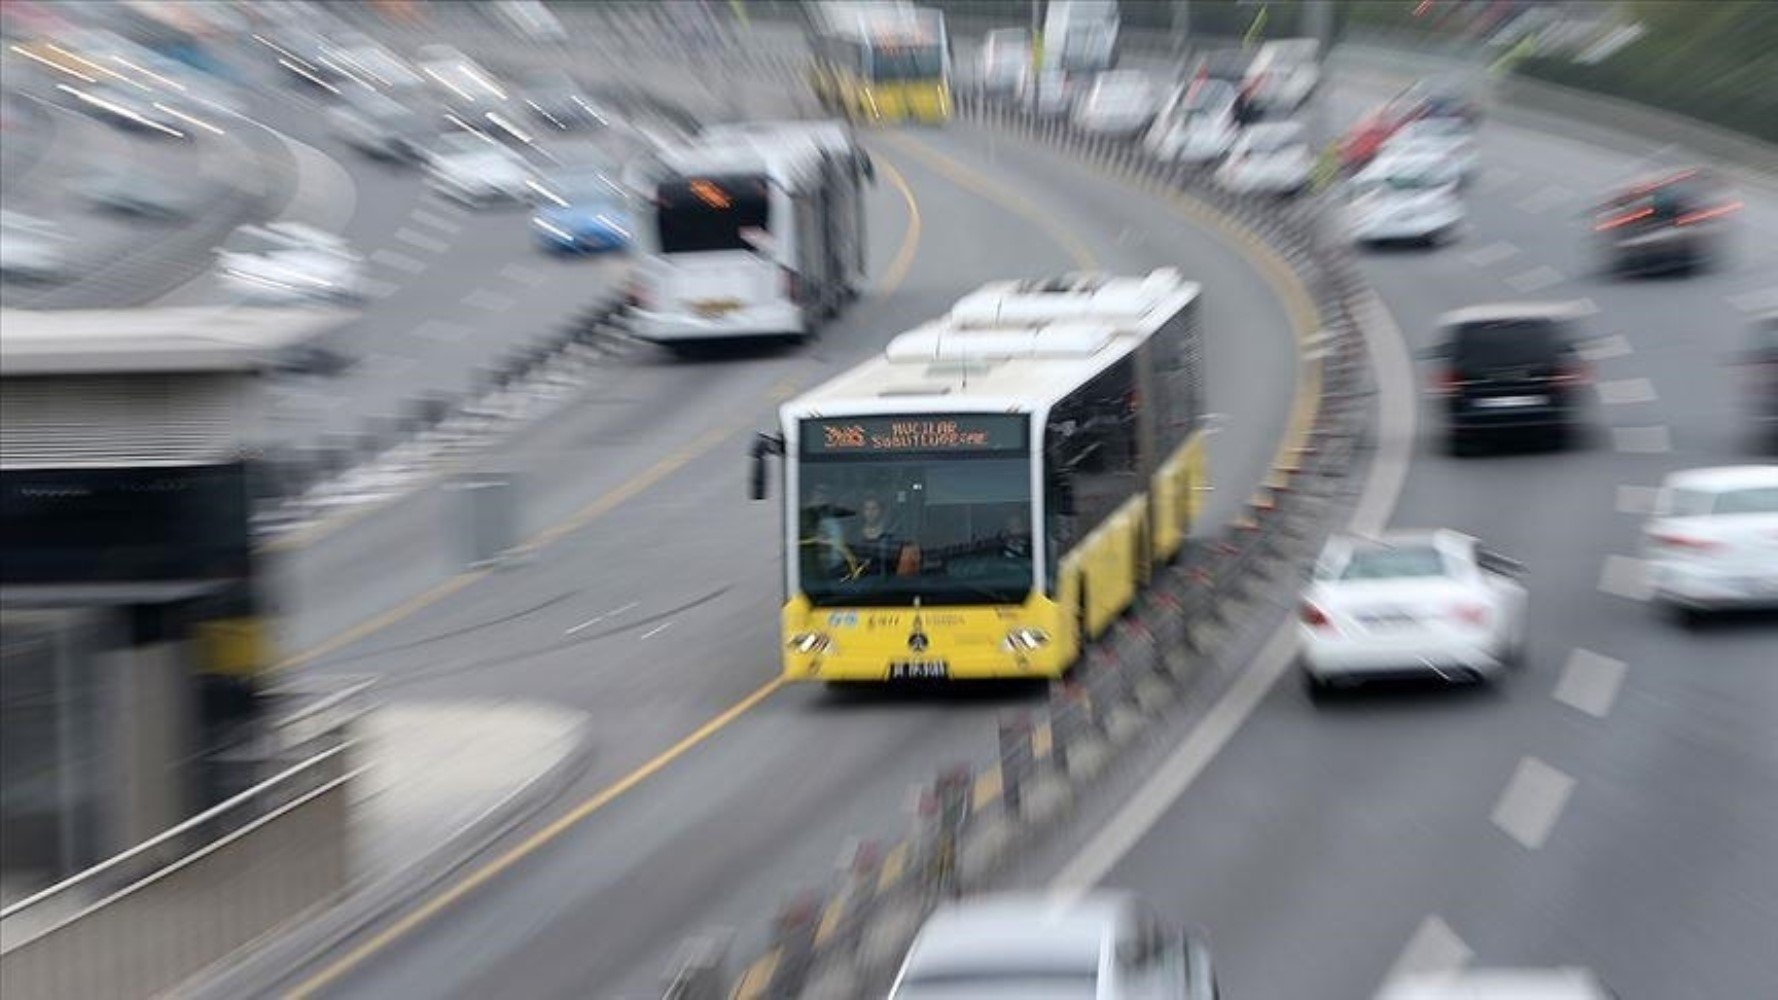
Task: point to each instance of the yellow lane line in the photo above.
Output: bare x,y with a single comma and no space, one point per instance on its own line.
897,271
987,789
985,186
758,976
432,907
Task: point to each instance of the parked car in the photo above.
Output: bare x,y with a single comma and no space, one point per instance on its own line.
1510,368
473,169
1120,103
1108,945
1047,93
1676,222
31,249
1712,543
1283,74
1405,197
1268,158
289,262
1196,124
1410,604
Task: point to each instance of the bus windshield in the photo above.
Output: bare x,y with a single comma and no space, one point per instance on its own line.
906,62
708,214
878,526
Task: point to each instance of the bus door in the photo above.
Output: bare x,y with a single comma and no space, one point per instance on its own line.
716,238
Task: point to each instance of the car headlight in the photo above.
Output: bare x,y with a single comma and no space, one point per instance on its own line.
1025,640
810,643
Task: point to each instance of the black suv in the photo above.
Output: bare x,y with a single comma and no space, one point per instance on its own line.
1509,369
1672,223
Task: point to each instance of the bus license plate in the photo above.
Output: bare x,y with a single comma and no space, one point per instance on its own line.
918,670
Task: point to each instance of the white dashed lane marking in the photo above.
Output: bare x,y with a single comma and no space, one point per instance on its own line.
1625,576
1637,500
1619,392
415,238
1590,682
657,630
1604,348
1532,802
1493,253
424,218
1434,948
1642,440
399,261
439,330
529,277
1541,276
596,619
483,299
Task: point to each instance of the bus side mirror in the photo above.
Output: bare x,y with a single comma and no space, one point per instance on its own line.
763,445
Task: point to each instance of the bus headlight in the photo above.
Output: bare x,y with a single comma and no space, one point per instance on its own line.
1025,640
808,643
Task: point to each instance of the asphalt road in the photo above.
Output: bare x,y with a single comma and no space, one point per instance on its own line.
657,610
1612,806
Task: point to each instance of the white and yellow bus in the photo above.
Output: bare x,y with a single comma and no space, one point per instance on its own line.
881,62
991,491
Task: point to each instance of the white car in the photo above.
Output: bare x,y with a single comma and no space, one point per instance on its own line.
1284,73
1004,62
1106,946
1405,197
1498,984
289,262
1121,102
473,169
1410,604
1046,93
1197,124
1712,543
1443,135
31,249
1269,158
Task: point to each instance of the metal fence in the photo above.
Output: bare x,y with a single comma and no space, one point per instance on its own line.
146,920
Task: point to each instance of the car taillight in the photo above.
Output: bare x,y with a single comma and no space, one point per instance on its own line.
1684,543
1313,616
1706,214
1572,373
1445,383
1470,614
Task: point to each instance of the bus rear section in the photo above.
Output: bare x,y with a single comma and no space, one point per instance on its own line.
723,246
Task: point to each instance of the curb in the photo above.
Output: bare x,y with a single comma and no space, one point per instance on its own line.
266,967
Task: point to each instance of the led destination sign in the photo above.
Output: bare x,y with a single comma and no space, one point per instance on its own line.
958,432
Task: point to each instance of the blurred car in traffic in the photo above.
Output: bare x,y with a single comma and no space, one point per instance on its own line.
1004,62
1410,605
1759,370
374,65
1047,93
1450,95
1196,124
1120,103
1677,222
116,187
471,168
1498,984
382,127
1268,158
1230,66
1510,368
584,210
557,100
31,249
1107,945
462,81
1712,543
1283,74
1444,136
288,262
1405,197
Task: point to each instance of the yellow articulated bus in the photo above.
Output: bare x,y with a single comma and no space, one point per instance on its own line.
882,62
991,491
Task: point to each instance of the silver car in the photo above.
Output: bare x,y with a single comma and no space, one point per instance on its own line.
1104,946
